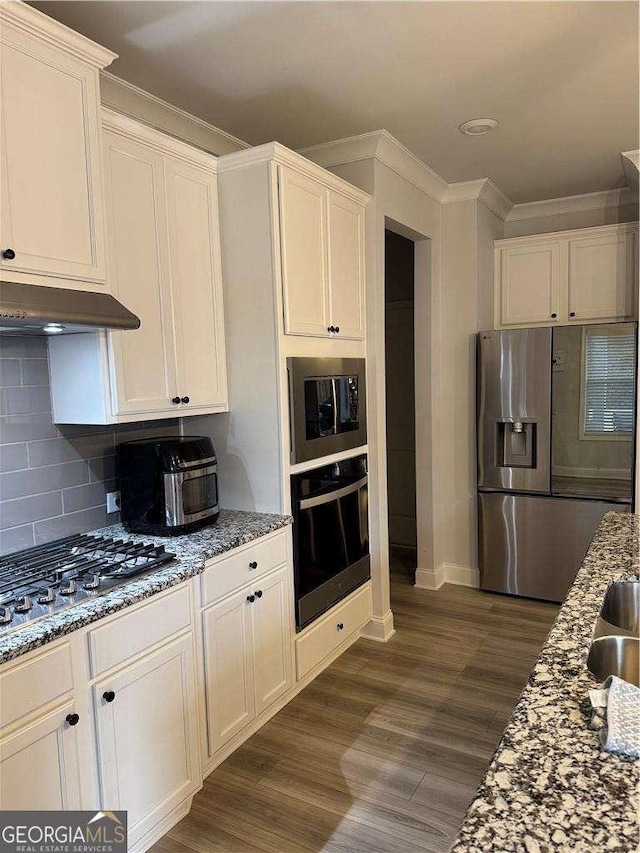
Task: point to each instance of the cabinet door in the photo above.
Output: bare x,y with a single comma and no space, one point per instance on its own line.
192,207
51,211
271,636
303,239
601,277
39,766
529,285
346,265
147,738
228,668
142,360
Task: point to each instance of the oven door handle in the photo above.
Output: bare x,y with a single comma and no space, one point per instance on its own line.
327,498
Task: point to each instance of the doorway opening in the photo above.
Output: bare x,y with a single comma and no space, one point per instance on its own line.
399,269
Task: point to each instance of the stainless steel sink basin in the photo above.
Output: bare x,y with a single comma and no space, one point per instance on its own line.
615,656
621,606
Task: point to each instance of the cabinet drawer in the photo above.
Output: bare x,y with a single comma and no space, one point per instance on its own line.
230,573
133,633
321,639
29,685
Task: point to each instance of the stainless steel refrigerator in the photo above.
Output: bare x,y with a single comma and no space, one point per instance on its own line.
556,425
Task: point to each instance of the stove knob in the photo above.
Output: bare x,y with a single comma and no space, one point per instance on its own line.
5,616
23,604
47,596
92,581
68,588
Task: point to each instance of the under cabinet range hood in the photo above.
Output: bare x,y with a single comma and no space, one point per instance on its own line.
28,309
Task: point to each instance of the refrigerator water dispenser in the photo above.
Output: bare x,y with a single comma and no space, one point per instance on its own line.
516,444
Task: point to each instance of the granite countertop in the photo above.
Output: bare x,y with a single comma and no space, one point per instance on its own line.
232,529
550,786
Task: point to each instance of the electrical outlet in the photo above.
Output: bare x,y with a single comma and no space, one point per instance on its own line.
113,502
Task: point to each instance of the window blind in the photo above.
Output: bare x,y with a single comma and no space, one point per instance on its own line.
609,379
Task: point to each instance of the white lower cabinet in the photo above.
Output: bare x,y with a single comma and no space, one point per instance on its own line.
146,734
111,717
228,659
39,763
248,655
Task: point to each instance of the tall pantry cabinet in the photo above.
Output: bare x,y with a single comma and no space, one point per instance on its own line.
292,237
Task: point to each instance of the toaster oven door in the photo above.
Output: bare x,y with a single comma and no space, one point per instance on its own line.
190,495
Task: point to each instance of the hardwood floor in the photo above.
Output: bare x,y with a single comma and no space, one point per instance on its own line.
384,751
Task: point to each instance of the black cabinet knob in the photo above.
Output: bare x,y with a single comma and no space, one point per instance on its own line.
258,593
72,719
8,254
340,626
175,400
253,564
109,695
337,329
251,599
572,313
184,400
553,316
331,328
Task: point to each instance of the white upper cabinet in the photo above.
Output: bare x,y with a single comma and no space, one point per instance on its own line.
601,277
144,360
530,277
164,265
322,248
346,265
585,276
303,241
192,207
51,217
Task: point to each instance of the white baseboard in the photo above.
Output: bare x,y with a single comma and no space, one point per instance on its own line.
162,827
379,628
447,573
430,578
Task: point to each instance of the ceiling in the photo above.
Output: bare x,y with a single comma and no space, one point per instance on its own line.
561,78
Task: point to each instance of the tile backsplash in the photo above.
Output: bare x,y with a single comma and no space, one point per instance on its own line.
53,478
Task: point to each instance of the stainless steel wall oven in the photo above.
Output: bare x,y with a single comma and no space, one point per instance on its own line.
327,402
330,535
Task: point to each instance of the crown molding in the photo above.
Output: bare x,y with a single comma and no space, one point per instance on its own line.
551,236
38,25
573,204
136,130
167,107
382,146
633,157
482,190
631,166
278,153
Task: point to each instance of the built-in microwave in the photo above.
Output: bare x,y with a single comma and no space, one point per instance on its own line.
327,402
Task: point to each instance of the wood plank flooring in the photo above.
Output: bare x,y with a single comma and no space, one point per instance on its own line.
384,751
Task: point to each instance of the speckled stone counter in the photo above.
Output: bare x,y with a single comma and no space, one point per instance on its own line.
233,528
550,786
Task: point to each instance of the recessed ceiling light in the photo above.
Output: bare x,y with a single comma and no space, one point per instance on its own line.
477,126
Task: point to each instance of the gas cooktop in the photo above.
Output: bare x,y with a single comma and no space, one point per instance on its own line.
43,580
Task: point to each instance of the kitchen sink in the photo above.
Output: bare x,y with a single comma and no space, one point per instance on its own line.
615,655
621,606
